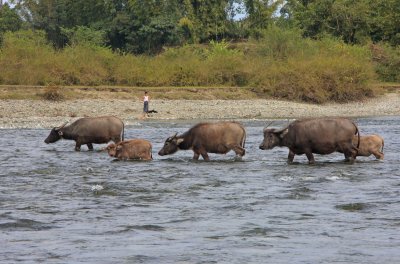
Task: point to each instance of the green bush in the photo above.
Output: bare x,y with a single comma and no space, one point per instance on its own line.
281,64
387,62
84,65
331,71
26,58
279,44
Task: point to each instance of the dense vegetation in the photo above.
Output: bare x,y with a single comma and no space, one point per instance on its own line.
309,50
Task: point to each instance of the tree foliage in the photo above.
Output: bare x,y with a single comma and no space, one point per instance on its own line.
147,26
9,19
354,21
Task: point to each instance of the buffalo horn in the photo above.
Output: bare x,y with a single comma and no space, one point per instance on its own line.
63,125
172,137
270,123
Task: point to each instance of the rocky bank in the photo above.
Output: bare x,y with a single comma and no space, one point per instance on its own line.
46,114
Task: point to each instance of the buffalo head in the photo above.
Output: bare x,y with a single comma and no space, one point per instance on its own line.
55,135
112,150
272,138
171,145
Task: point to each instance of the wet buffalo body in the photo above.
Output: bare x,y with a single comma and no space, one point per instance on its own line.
207,138
89,131
318,135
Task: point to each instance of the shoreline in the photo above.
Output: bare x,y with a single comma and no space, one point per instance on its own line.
18,114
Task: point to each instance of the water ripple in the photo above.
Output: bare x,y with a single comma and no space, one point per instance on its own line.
62,206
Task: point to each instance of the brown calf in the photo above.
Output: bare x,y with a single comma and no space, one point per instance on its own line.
138,149
370,145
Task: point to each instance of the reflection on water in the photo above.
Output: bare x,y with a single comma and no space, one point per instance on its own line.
58,205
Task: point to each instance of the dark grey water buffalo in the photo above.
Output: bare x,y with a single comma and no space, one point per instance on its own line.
89,130
318,135
139,149
206,138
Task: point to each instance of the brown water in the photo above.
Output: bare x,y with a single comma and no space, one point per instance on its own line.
175,210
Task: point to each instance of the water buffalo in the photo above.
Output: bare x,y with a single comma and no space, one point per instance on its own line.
131,149
318,135
370,145
89,130
206,138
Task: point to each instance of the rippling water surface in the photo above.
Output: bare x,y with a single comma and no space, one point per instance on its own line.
58,205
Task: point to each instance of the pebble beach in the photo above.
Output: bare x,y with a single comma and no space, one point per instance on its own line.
47,114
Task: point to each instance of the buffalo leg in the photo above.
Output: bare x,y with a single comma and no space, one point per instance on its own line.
196,156
90,146
349,151
349,158
202,152
378,155
77,146
205,156
290,156
310,157
239,150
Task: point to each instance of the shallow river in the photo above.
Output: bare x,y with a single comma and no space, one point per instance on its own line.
62,206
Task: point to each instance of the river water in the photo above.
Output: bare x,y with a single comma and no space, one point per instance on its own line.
62,206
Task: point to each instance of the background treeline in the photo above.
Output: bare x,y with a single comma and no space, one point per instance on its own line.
312,50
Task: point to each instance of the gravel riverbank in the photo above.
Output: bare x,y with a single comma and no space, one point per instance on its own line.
45,114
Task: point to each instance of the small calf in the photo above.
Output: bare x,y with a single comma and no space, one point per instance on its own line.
138,149
370,145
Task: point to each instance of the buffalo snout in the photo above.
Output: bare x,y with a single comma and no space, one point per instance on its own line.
262,147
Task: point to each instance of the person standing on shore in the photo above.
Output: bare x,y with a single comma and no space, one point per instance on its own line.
146,100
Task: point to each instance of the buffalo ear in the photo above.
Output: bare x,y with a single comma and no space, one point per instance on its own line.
179,141
284,132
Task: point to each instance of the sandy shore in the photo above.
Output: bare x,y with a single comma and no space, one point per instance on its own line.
45,114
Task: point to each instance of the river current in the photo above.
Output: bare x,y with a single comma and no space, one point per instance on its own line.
62,206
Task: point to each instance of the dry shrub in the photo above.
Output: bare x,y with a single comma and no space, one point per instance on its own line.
26,58
84,65
387,62
281,64
318,80
53,93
